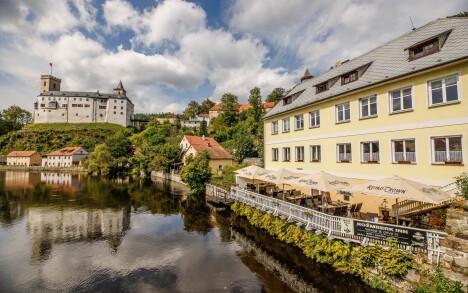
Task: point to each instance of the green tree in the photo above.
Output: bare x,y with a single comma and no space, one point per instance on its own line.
166,156
120,146
197,172
244,145
5,126
230,109
255,100
17,116
276,95
192,110
205,106
100,160
203,128
462,184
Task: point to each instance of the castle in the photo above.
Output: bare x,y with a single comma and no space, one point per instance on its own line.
56,106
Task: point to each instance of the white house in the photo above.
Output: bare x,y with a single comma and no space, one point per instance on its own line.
66,157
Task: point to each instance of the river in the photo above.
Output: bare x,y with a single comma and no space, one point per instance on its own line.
70,232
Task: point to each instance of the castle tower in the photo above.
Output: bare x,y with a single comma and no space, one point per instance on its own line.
49,83
119,90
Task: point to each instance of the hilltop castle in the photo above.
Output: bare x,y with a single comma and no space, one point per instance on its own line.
55,106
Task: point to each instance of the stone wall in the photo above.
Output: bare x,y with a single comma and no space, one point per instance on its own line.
455,257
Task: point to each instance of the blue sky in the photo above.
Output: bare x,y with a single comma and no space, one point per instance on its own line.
170,52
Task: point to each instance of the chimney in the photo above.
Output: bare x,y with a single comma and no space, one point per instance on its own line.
337,64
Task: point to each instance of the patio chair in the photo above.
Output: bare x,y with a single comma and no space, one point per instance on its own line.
297,193
385,216
316,201
302,202
357,210
309,203
274,194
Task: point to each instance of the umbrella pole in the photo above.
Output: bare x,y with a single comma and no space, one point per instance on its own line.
283,192
397,211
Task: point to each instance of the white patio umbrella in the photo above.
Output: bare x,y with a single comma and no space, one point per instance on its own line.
323,181
398,187
281,176
251,172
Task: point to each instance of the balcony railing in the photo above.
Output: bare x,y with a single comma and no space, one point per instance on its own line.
324,223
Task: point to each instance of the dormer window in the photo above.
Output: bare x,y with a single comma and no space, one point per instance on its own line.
349,77
321,87
424,49
287,100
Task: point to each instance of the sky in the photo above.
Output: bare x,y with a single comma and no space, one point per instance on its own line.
167,53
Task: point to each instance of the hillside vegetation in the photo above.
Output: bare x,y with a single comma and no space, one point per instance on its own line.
45,138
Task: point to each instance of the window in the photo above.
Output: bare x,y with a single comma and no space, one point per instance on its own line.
115,112
87,105
344,152
115,101
368,107
121,113
286,154
121,108
424,49
287,100
314,118
443,90
299,122
42,105
286,125
370,152
299,154
64,105
122,102
115,107
401,100
447,150
102,107
343,112
274,154
315,153
404,151
274,127
44,83
321,87
349,77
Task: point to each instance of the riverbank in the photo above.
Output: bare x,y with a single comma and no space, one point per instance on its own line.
43,169
383,267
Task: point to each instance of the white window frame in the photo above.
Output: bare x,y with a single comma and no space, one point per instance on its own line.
286,154
370,115
390,98
405,155
299,153
371,151
446,137
299,122
346,145
274,154
314,119
288,124
342,107
444,90
315,153
274,127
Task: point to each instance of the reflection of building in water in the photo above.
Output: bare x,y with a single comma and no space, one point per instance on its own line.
61,180
20,179
47,226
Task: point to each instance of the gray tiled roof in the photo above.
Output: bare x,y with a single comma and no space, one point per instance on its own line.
388,61
80,95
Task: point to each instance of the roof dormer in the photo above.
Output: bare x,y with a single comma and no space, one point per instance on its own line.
428,46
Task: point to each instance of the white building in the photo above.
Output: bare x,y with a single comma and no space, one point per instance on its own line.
66,157
55,106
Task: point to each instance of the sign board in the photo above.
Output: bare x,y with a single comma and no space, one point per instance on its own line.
347,226
404,235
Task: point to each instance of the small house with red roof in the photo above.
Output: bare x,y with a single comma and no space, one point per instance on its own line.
23,158
219,157
216,109
66,157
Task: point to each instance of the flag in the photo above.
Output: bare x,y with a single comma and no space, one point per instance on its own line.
50,63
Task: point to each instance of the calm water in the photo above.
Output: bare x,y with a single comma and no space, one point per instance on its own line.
63,232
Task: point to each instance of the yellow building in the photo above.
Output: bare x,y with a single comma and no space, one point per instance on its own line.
398,109
192,145
24,158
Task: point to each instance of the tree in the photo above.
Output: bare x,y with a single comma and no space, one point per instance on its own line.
205,106
100,160
166,156
255,100
462,184
120,146
192,110
244,145
230,109
276,95
197,172
203,128
17,116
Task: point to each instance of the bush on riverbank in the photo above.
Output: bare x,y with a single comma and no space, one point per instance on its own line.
197,172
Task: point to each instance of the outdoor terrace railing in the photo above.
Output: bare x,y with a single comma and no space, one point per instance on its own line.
331,225
409,207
